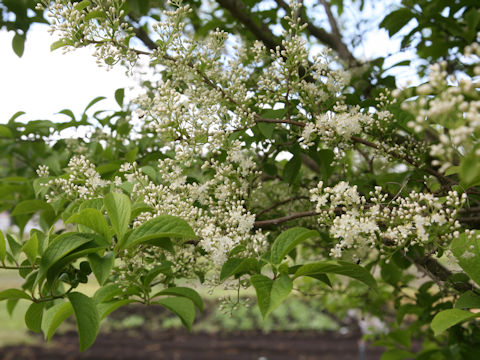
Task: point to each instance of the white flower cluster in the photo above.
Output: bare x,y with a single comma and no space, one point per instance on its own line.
448,108
343,123
98,22
215,208
43,171
361,223
83,181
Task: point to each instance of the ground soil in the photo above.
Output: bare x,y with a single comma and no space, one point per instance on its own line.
178,344
147,342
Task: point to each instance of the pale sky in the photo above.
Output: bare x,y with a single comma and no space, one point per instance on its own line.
42,82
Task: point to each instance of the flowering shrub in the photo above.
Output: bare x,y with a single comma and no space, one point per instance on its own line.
188,185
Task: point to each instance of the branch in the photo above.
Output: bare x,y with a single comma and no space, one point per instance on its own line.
470,220
276,221
331,20
280,203
333,41
239,12
6,267
259,118
437,272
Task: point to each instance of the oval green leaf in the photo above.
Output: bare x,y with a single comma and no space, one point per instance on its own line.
88,319
183,292
263,288
180,306
61,246
14,294
448,318
101,266
287,240
119,209
54,316
344,268
94,220
235,266
163,226
33,317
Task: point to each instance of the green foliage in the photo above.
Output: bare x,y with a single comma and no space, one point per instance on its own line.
447,318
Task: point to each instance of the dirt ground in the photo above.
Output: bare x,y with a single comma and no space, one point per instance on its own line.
178,344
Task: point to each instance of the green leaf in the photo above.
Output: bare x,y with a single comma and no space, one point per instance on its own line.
292,169
82,5
183,292
263,288
119,96
397,354
287,240
470,170
3,247
34,316
180,306
237,250
396,20
54,316
15,116
61,43
93,219
338,267
11,305
402,337
61,246
281,288
88,319
467,251
93,102
30,207
119,209
96,14
266,129
109,60
273,114
14,246
106,308
5,132
101,266
132,155
468,300
448,318
30,248
14,294
164,268
321,277
163,226
235,266
107,293
18,44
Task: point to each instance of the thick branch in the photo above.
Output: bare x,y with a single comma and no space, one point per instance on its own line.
331,20
438,272
142,34
238,11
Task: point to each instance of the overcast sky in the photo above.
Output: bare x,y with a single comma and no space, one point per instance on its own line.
42,82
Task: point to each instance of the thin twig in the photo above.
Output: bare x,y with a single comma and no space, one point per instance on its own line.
276,221
280,203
